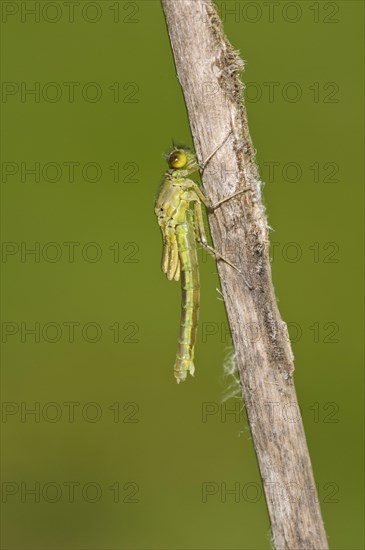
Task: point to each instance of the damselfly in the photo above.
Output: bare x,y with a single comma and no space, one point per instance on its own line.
178,209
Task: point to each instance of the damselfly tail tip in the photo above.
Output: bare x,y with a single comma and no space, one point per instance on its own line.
181,374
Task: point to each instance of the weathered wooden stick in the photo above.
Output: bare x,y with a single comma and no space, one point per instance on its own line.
208,68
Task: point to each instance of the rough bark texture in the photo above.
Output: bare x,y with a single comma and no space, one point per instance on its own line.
208,69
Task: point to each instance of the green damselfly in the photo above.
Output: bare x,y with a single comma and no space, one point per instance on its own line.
178,208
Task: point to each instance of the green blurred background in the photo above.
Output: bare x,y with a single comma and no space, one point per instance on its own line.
117,455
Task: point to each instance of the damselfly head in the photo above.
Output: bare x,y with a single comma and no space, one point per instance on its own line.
180,158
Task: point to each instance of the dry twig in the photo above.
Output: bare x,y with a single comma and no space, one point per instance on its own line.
208,69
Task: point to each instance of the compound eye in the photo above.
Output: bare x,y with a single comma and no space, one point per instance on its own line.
177,159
